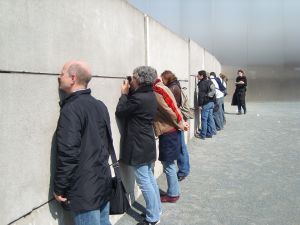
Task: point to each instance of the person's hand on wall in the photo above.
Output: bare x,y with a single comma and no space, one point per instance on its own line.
125,87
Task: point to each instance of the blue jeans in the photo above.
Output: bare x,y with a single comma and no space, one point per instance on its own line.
172,180
147,184
94,217
183,161
218,115
208,126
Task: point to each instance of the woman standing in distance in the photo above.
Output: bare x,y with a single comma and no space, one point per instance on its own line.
239,96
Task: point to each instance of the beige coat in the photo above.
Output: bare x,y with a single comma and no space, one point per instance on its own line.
166,118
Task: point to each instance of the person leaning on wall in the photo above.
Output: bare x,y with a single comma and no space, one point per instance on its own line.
82,179
206,95
224,81
168,123
183,163
218,114
137,107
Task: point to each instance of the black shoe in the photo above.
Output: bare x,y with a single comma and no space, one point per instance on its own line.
208,136
199,136
144,214
181,178
239,113
145,222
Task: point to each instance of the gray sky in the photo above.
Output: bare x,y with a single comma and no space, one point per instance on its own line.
237,32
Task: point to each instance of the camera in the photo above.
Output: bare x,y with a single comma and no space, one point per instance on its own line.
129,78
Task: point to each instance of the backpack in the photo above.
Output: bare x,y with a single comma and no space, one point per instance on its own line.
186,111
221,86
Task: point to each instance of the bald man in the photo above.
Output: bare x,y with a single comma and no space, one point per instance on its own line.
82,179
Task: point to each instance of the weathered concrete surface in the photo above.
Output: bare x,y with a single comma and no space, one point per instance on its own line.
248,174
38,36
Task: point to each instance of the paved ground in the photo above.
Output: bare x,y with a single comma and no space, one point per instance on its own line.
248,174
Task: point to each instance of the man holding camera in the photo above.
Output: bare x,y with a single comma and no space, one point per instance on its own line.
137,108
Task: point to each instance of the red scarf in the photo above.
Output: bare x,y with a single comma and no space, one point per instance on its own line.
167,99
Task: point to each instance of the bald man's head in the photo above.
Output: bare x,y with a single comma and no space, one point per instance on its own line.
81,70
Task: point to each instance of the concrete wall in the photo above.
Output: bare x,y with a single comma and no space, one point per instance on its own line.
36,38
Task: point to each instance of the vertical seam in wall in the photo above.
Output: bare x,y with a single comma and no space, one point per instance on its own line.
189,80
147,41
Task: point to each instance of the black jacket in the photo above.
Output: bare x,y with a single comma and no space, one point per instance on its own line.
241,87
82,171
203,90
138,142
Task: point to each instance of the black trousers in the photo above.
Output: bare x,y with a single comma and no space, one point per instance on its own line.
241,101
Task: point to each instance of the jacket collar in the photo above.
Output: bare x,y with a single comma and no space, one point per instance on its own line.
74,95
147,88
174,82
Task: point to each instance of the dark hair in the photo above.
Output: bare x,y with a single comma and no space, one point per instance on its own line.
242,71
169,76
202,73
213,74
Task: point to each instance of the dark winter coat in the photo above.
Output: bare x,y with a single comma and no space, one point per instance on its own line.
138,141
240,91
203,90
82,171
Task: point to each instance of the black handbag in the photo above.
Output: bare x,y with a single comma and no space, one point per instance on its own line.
119,202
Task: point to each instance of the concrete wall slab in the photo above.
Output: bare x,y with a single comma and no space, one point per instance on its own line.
208,62
109,35
196,57
29,113
167,51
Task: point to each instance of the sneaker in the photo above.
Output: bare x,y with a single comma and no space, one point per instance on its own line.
169,199
145,222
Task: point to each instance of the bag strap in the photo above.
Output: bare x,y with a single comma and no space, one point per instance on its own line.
111,150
